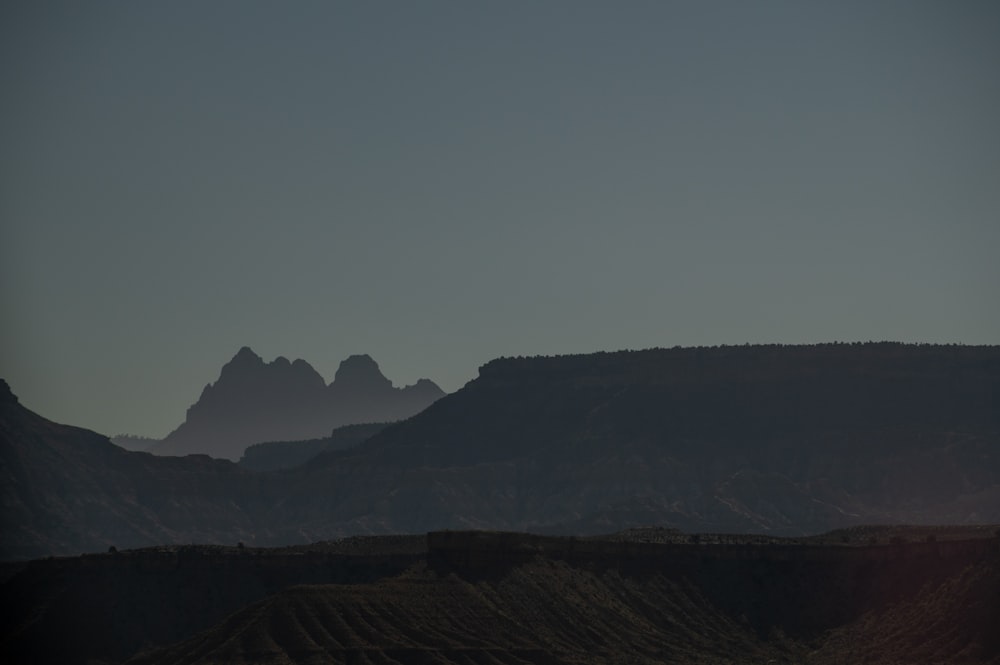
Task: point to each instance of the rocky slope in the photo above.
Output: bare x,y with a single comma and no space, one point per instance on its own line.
106,607
632,604
68,490
778,440
647,595
784,440
254,401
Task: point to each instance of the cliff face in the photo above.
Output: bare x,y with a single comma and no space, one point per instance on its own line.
784,440
254,402
776,440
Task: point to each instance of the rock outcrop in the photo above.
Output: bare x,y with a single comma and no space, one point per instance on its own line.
766,439
254,402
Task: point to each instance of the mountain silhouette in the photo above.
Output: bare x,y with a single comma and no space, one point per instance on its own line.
758,439
766,439
253,402
67,490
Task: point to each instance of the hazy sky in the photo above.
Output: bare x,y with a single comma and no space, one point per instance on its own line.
440,183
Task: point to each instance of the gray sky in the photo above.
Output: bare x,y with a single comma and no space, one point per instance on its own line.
440,183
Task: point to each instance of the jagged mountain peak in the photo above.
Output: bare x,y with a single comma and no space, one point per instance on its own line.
254,401
246,364
360,372
247,355
245,361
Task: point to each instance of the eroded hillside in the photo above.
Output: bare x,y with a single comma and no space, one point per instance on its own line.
879,595
509,598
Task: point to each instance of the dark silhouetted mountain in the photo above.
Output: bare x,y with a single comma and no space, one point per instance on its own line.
764,439
67,490
489,597
254,402
784,440
276,455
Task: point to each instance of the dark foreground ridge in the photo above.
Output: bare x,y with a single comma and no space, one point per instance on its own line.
105,607
919,594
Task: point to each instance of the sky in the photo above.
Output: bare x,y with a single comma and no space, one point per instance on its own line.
437,184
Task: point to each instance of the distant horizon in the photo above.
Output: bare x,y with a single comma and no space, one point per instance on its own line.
397,384
437,184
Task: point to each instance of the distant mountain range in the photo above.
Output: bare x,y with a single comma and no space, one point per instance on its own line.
254,401
760,439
